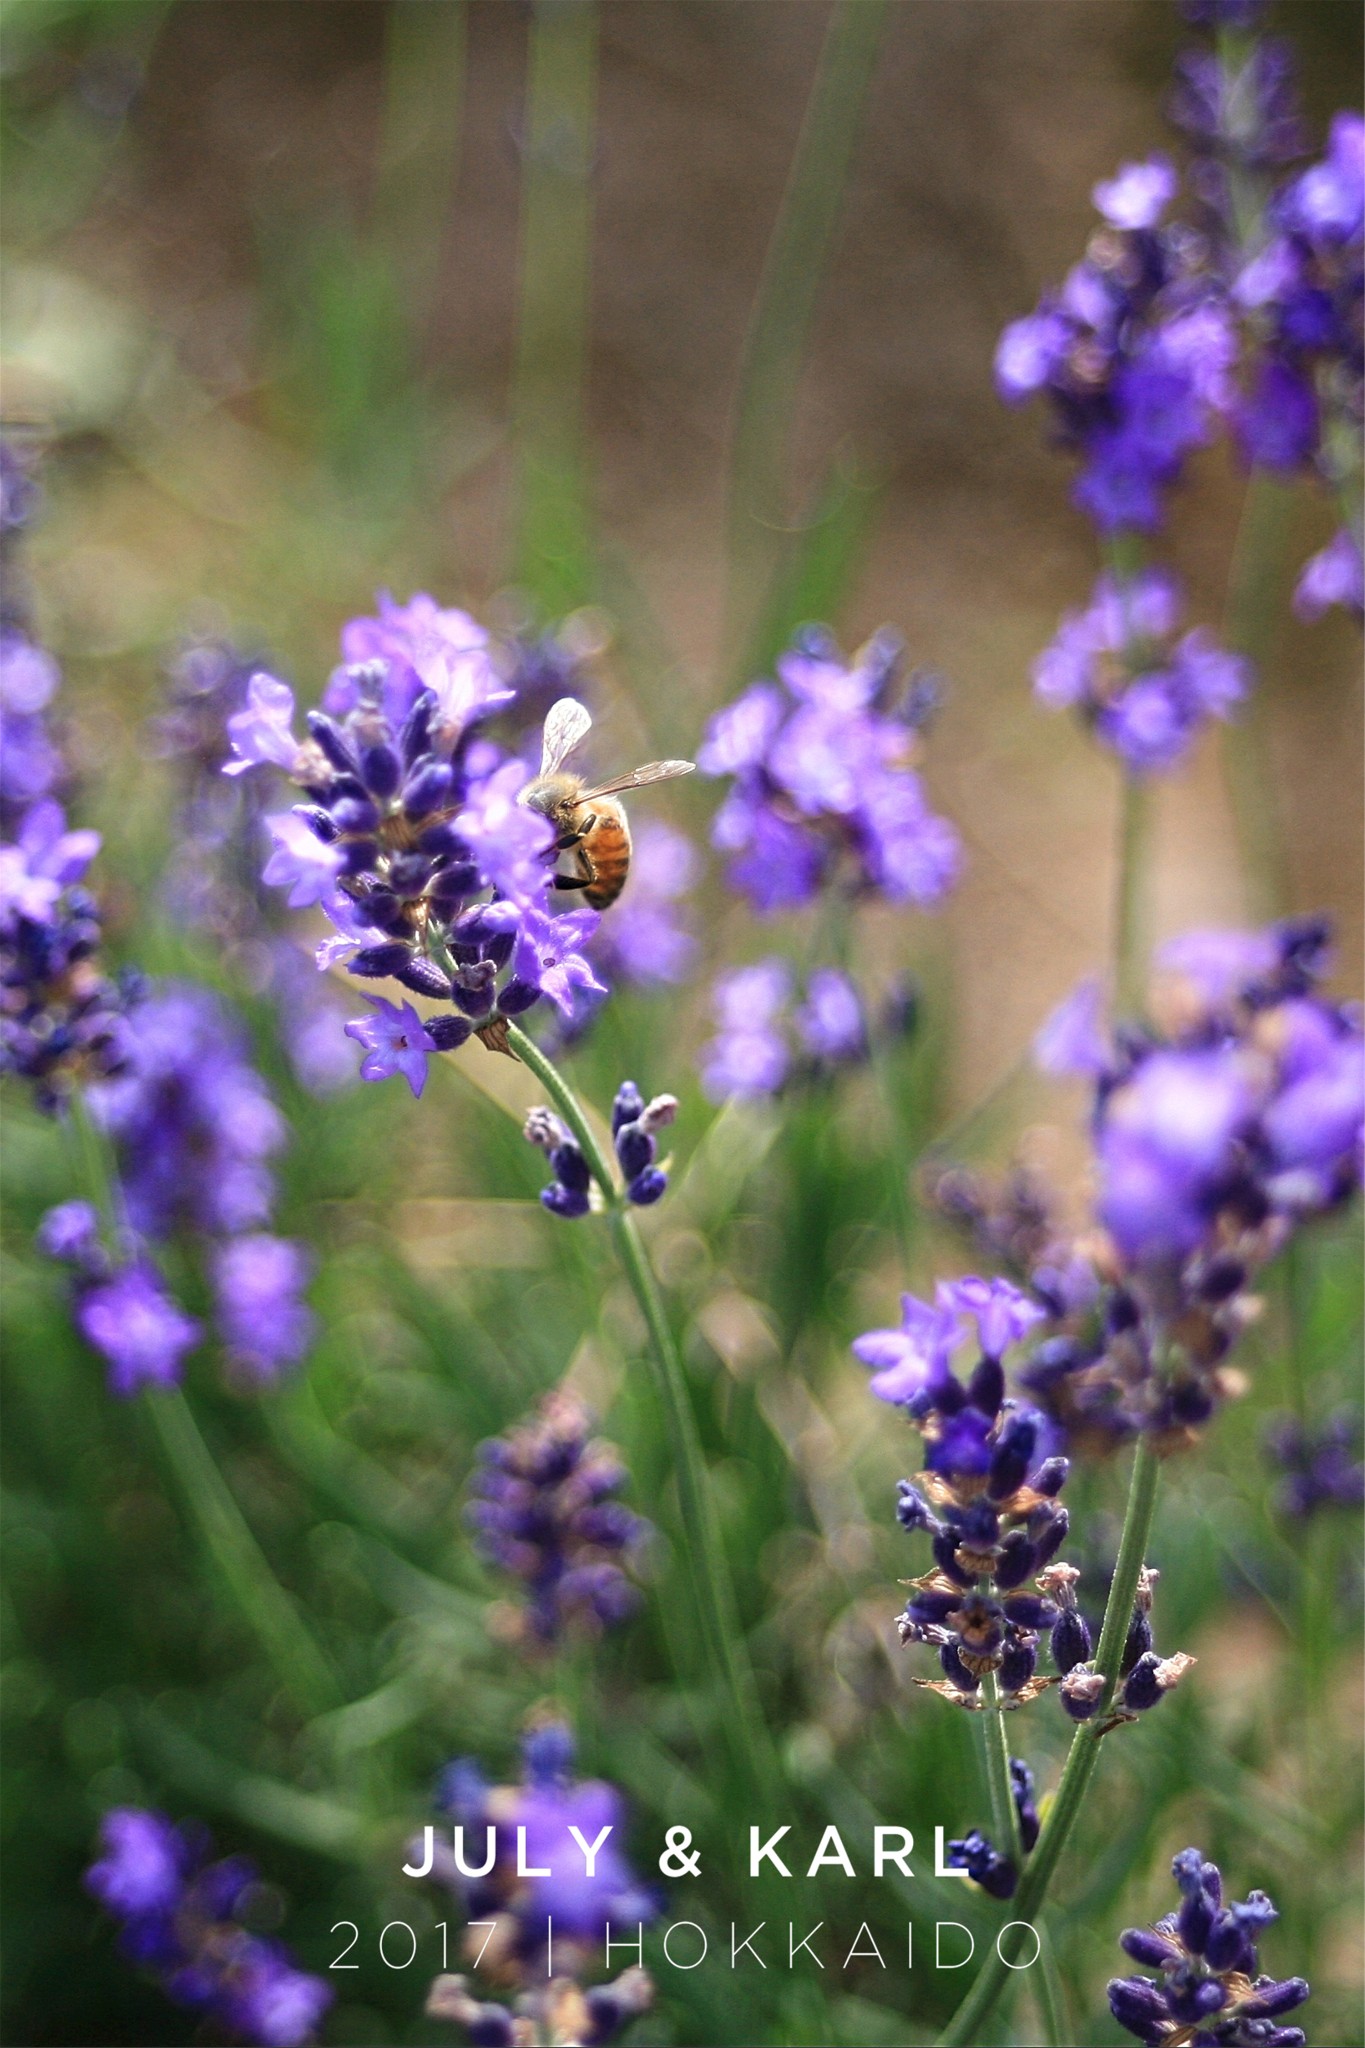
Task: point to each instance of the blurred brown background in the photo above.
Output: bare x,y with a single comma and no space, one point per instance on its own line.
220,159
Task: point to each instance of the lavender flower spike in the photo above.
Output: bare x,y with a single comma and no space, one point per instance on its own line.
544,1509
1210,1986
183,1922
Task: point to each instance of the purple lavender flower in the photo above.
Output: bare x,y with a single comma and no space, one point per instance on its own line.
262,732
262,1317
546,956
193,1122
546,1803
1210,1986
635,1125
911,1365
749,1057
137,1328
421,645
1073,1038
1320,1465
830,1023
912,1362
301,862
143,1866
1334,576
1301,297
180,1923
988,1503
984,1864
415,839
1133,353
1144,693
1231,1117
544,1508
44,861
396,1042
70,1232
825,784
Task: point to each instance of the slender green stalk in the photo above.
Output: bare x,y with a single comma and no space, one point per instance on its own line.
1130,915
710,1577
552,560
1004,1812
1051,1994
787,294
299,1663
963,2030
419,143
286,1640
1251,619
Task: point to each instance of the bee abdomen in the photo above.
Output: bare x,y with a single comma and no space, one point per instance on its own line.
608,848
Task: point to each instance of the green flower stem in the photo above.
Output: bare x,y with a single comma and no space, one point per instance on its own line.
1255,599
302,1668
964,2029
1004,1812
1130,920
709,1577
300,1664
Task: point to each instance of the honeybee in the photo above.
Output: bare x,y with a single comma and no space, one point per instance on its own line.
589,823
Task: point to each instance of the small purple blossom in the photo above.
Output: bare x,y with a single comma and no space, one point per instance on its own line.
142,1869
1003,1313
192,1121
546,956
513,841
261,734
1074,1038
1334,576
825,784
749,1057
1145,694
137,1328
262,1316
301,862
830,1023
396,1042
70,1232
912,1361
1138,195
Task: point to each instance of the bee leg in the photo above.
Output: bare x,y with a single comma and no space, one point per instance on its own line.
586,876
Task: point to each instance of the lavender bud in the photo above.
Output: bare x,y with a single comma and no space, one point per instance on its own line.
425,978
448,1033
381,770
428,788
628,1107
378,963
329,739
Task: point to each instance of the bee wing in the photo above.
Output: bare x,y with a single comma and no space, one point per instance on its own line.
653,771
566,725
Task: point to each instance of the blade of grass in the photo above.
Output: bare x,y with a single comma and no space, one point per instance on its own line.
787,293
552,559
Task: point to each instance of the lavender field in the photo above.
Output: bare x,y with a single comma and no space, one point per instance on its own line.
683,1086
